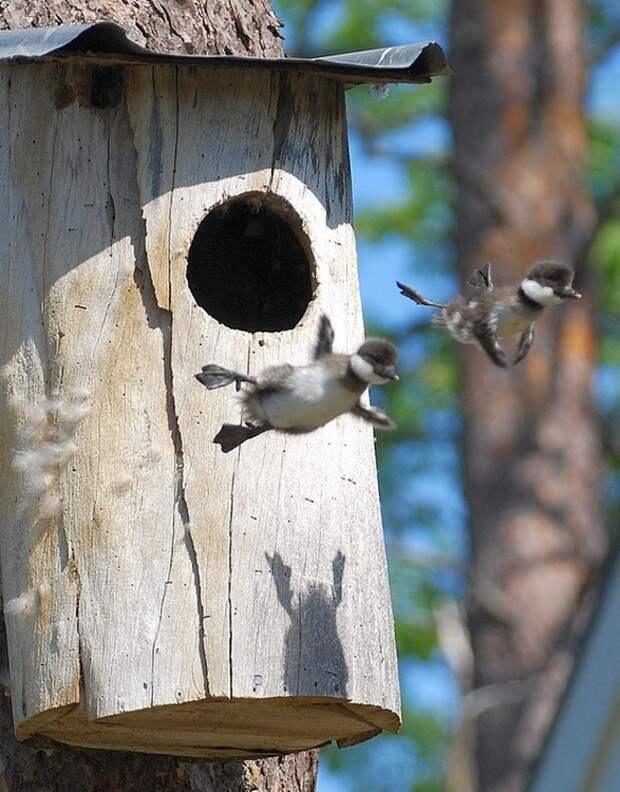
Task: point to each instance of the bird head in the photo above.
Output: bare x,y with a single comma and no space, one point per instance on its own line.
549,283
374,361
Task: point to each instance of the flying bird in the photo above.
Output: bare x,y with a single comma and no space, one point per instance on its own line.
490,313
300,399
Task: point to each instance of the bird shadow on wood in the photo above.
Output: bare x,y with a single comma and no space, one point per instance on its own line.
314,660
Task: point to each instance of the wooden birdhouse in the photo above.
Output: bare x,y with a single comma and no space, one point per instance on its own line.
159,213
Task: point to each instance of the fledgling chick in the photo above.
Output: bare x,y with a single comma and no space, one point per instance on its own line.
300,399
489,313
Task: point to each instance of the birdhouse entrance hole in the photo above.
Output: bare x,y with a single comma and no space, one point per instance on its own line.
250,266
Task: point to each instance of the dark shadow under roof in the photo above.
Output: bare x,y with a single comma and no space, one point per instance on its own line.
412,63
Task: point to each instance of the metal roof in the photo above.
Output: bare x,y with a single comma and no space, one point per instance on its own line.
413,63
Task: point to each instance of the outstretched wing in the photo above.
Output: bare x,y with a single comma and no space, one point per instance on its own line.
481,279
325,339
485,334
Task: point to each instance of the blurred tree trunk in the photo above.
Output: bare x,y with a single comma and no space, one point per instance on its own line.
244,27
531,448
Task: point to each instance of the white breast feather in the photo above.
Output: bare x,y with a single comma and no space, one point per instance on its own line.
542,295
312,399
365,372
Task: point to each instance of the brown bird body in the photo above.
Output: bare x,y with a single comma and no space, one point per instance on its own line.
490,313
300,399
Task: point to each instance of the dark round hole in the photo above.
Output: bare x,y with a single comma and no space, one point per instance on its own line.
247,266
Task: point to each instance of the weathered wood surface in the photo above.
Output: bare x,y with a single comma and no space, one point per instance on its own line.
167,574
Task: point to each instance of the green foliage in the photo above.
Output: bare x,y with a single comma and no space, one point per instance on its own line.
604,173
604,157
603,24
401,106
356,24
606,259
424,212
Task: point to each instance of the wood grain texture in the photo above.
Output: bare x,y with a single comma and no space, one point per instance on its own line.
59,768
187,602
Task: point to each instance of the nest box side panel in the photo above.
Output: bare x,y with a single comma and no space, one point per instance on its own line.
287,532
40,593
210,131
85,344
316,545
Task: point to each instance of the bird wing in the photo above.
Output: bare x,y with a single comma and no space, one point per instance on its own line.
325,339
481,279
525,344
485,333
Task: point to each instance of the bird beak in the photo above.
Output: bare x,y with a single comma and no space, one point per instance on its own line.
568,291
390,374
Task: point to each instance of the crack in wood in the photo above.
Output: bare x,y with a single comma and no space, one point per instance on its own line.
282,122
230,632
74,574
173,182
164,324
180,501
163,599
230,546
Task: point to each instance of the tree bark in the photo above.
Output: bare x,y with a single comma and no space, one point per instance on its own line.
530,439
217,27
243,27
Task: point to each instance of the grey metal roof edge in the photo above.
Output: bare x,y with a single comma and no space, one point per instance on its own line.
109,41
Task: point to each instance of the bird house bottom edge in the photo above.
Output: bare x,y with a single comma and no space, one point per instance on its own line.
216,729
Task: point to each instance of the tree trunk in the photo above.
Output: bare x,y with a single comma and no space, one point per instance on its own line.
217,27
531,448
245,27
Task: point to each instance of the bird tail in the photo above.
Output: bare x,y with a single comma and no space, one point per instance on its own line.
213,377
231,436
